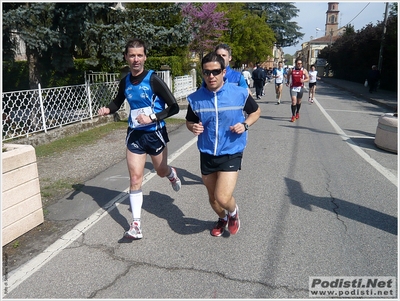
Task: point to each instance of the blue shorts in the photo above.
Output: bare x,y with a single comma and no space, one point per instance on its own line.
142,142
210,164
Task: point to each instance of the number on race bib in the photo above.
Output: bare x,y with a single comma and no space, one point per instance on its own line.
135,113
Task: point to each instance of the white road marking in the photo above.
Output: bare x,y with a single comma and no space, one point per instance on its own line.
384,171
19,275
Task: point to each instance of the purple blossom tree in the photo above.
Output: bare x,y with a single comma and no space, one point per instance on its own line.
207,25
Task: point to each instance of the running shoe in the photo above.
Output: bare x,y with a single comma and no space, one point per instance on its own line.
309,99
293,119
234,222
312,100
297,116
175,182
134,231
219,227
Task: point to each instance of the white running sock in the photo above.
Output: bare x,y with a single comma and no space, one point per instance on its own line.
171,176
232,213
136,200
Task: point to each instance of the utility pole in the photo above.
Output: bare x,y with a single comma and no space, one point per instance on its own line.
383,37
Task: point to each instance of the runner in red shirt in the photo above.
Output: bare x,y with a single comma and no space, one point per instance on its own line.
296,78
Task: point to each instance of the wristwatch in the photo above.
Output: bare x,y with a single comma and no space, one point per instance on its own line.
153,117
246,126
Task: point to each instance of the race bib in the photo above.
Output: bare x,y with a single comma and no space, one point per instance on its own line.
134,113
296,89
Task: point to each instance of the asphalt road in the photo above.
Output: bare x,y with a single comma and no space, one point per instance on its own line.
316,198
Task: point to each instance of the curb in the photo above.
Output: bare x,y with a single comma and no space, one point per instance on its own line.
377,102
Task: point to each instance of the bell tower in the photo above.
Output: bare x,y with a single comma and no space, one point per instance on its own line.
331,24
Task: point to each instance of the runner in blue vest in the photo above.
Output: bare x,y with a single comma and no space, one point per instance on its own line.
233,77
147,95
220,114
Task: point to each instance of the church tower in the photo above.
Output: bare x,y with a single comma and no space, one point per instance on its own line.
332,14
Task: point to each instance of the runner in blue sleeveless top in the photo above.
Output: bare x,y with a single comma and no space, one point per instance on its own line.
148,96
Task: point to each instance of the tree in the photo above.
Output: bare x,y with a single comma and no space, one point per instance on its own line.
170,17
51,33
206,24
278,16
56,33
106,40
250,38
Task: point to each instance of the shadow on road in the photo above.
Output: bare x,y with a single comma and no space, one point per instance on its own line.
356,212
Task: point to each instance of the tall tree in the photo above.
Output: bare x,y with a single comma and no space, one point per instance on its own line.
50,31
207,25
278,17
55,33
250,38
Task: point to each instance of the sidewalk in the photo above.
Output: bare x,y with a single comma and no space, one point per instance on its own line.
383,98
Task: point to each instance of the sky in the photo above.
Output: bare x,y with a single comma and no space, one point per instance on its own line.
312,15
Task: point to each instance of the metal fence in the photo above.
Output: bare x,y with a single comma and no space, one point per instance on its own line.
39,110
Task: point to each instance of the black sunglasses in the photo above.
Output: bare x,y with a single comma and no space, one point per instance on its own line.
214,72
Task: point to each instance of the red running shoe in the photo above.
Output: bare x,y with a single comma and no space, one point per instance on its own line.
293,119
297,116
234,222
219,227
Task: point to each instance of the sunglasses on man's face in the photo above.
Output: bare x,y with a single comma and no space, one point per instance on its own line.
214,72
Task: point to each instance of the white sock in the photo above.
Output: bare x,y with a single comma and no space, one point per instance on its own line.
136,200
171,176
232,213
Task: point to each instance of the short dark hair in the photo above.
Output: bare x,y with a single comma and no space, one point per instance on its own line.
298,59
224,46
312,66
213,57
135,43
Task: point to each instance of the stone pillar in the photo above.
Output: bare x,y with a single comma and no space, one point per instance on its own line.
386,132
20,197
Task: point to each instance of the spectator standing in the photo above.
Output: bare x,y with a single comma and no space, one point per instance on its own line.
374,75
220,115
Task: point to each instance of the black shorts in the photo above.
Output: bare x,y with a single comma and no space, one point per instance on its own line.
210,164
142,142
311,84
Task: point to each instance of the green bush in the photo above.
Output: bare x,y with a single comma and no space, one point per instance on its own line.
15,76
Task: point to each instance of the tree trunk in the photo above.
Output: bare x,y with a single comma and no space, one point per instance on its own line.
34,74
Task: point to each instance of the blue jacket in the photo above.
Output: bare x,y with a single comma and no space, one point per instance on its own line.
141,96
217,111
235,77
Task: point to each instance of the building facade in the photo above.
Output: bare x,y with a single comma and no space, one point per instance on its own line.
310,50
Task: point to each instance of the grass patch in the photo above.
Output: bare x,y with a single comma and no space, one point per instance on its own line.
49,191
87,137
83,138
